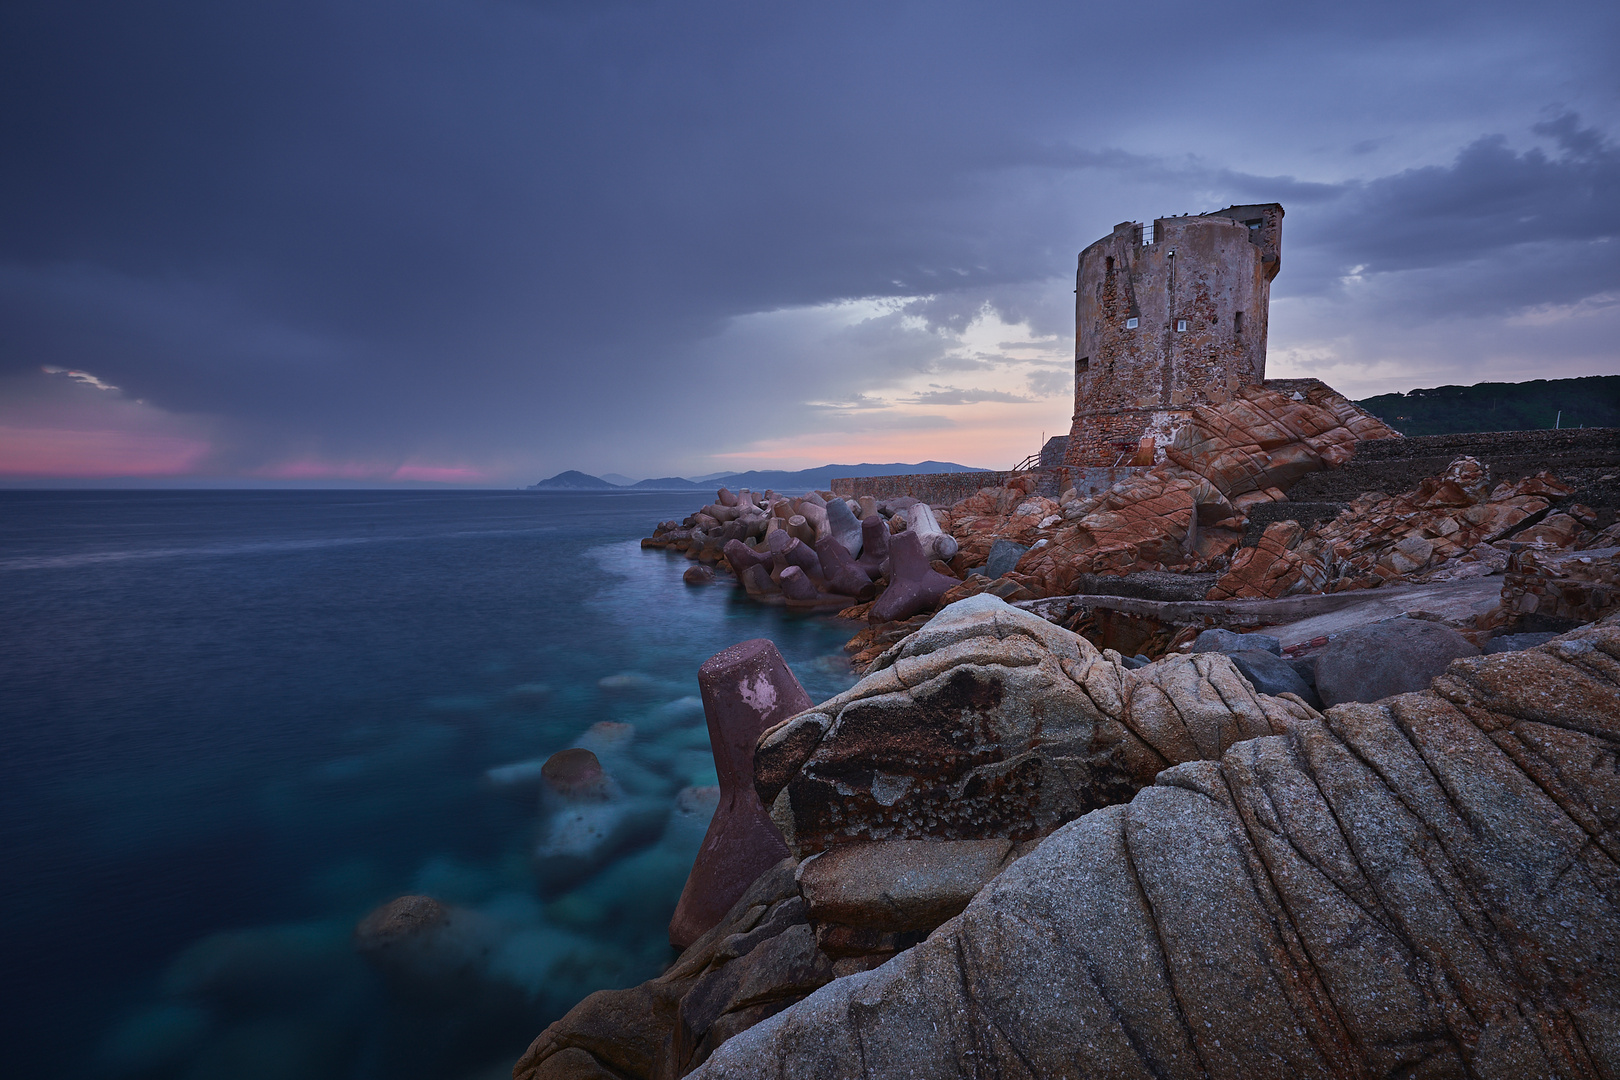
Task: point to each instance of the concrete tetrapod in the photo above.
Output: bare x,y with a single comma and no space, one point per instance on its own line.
841,571
796,585
914,585
741,557
795,552
845,529
746,689
936,542
874,544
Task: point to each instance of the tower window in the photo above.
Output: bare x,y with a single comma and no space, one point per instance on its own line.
1181,326
1130,324
1082,365
1110,266
1237,322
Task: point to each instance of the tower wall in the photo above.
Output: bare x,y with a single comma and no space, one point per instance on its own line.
1167,317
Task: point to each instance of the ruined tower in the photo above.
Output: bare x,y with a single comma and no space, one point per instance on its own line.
1167,316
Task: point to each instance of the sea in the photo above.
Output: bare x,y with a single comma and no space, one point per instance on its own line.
232,723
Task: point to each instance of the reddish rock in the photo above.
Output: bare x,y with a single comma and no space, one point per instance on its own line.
746,689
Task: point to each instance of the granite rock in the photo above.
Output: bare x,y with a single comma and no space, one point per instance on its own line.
1422,888
991,722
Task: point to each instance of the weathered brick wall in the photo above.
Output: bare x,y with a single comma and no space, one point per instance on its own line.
937,489
943,489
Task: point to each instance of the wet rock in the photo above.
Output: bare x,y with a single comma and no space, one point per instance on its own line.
699,575
914,585
1516,642
746,689
1398,656
1230,641
1004,556
1286,910
991,722
1271,674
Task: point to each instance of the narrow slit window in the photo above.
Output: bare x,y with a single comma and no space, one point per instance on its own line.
1110,266
1082,365
1130,324
1181,326
1237,322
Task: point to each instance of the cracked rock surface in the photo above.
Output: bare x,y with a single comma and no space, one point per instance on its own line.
1425,887
991,722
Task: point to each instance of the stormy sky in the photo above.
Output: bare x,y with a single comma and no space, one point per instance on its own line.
482,241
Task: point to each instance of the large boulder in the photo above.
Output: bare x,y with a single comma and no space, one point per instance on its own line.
1254,446
1422,888
1161,518
991,722
1396,656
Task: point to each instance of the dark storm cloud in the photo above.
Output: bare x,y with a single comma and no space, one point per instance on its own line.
1489,199
502,229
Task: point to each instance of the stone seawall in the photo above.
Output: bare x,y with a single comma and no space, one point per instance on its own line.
1588,458
943,489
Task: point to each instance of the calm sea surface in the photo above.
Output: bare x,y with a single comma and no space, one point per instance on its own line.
231,723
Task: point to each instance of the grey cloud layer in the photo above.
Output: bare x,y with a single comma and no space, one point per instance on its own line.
503,230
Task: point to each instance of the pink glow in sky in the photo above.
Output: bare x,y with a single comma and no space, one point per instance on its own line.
316,469
49,452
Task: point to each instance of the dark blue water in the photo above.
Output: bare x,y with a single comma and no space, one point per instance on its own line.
232,723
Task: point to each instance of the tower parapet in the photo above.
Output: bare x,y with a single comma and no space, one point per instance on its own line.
1167,316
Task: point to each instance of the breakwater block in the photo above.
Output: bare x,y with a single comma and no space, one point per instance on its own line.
746,689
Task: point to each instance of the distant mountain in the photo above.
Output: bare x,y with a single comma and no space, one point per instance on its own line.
668,483
618,478
1527,406
821,478
759,480
573,481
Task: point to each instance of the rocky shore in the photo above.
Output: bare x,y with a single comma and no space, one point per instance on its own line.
1121,795
1008,853
1175,532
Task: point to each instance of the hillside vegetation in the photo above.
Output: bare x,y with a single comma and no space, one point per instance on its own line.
1492,406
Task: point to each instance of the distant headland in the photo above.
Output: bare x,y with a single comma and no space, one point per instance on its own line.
806,479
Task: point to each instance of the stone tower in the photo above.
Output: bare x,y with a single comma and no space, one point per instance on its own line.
1168,316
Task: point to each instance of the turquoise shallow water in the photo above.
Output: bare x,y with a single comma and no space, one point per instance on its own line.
232,723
